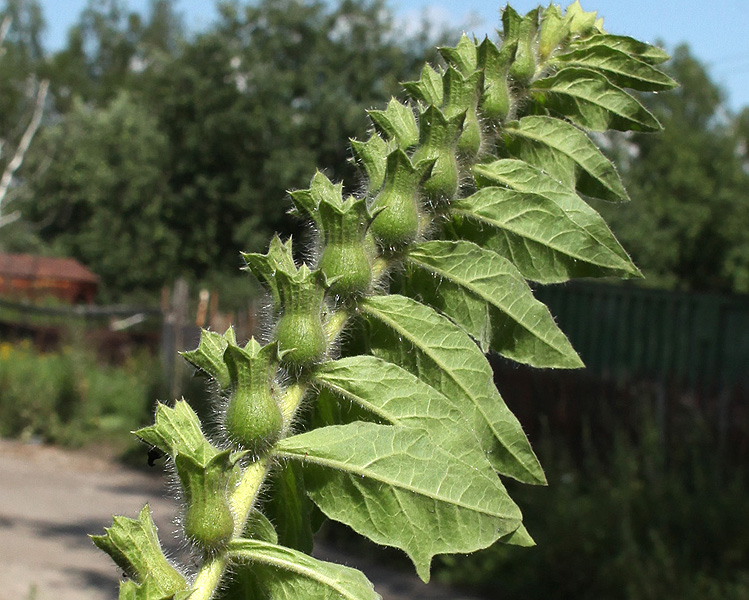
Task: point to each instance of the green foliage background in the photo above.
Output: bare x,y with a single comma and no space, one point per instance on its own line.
211,112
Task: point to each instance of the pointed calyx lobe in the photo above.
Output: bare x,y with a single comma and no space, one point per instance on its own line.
298,295
347,252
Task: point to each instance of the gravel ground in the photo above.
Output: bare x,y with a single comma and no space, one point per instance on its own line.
50,499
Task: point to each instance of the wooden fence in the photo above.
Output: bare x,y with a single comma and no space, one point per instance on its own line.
695,341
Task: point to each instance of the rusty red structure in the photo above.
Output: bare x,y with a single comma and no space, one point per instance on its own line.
30,277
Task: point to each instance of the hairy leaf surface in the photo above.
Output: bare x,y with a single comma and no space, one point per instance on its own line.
619,67
542,226
650,54
289,574
394,395
486,295
590,100
599,177
398,488
432,347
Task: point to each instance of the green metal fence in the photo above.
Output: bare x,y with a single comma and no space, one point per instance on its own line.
697,341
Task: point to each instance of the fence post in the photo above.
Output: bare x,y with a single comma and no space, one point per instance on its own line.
172,335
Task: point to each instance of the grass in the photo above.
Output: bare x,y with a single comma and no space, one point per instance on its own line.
68,398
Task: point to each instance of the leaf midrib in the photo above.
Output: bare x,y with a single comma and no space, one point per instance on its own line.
290,565
440,364
542,242
362,472
486,297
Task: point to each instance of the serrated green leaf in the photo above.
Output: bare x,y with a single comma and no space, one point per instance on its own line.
428,89
291,575
543,227
289,508
645,52
134,546
620,68
486,295
574,145
209,355
177,431
396,487
398,122
590,100
393,395
436,350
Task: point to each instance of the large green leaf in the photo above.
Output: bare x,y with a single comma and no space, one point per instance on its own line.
542,226
398,488
394,395
292,575
590,100
645,52
598,178
486,295
619,67
436,350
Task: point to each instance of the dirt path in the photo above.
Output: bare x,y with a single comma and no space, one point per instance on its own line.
50,499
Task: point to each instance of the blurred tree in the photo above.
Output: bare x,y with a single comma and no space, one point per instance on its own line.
687,226
109,48
103,198
253,105
239,114
22,95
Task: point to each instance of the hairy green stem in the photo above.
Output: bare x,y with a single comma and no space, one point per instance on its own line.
243,497
209,577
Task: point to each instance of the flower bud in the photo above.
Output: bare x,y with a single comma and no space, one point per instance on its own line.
438,141
253,418
208,520
398,205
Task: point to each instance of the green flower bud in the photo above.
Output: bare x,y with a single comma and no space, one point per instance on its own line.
523,66
301,336
461,97
496,100
463,56
428,89
345,262
298,295
253,418
397,122
398,206
438,141
372,155
581,22
554,30
208,520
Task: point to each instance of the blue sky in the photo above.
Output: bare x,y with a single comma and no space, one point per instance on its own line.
717,31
